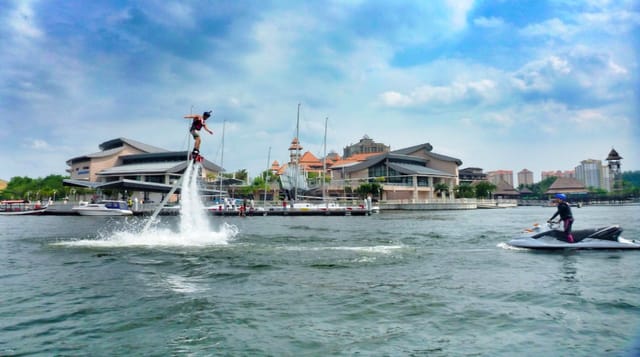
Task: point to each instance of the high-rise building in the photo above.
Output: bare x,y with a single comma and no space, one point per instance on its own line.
525,177
593,174
558,174
500,175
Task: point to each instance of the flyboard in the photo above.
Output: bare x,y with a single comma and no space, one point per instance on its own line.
596,238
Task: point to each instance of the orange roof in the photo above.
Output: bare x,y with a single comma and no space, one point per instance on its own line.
295,144
309,158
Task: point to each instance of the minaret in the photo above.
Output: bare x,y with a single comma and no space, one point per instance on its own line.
614,170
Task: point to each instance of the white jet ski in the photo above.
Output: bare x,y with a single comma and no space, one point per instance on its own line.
554,238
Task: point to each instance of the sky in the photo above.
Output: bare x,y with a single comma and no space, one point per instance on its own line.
500,85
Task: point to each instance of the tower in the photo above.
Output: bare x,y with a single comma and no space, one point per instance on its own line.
614,169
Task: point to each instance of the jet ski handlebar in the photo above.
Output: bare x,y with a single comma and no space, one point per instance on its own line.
552,224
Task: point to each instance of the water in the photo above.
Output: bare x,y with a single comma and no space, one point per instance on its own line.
394,284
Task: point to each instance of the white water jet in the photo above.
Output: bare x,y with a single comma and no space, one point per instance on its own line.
194,228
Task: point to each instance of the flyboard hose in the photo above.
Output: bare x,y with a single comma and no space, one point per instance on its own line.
166,199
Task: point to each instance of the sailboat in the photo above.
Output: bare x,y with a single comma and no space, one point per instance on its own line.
293,180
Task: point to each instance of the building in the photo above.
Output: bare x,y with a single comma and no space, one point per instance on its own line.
500,175
366,145
127,165
408,174
557,173
615,173
525,178
506,191
469,175
593,174
568,186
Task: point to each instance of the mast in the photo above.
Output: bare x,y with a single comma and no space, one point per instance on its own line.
266,177
295,185
324,160
224,122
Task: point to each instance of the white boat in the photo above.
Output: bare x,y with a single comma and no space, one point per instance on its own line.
103,208
20,208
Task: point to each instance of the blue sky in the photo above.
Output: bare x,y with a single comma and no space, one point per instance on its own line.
501,85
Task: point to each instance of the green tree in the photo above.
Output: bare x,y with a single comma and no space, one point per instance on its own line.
441,188
484,189
465,190
373,188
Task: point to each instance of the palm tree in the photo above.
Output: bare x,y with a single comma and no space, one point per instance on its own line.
441,188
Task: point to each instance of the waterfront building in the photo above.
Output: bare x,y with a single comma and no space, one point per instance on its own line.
409,174
505,191
500,175
366,145
525,178
566,185
127,165
469,175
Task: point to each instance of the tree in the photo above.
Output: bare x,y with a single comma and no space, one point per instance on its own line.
368,188
32,189
465,190
484,189
441,188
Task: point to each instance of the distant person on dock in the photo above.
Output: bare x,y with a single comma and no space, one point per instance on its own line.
565,215
199,122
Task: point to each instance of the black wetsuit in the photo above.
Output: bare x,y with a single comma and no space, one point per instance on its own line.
566,217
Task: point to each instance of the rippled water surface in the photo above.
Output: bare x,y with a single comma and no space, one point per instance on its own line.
437,283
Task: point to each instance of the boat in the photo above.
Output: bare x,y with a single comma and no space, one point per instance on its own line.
20,207
554,238
103,208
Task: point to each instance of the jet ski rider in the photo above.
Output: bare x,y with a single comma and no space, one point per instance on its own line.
565,215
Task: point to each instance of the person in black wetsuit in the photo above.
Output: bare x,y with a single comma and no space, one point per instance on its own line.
565,215
199,122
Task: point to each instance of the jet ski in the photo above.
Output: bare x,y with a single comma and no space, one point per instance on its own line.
554,238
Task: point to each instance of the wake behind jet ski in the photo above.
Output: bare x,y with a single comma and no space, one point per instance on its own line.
555,238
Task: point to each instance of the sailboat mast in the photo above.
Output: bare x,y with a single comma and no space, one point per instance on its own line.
324,160
266,177
295,185
224,122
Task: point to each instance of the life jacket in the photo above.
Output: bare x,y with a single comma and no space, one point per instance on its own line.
196,124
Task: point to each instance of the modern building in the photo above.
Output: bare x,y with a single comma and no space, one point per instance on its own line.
469,175
525,178
558,173
593,174
500,175
127,165
409,174
366,145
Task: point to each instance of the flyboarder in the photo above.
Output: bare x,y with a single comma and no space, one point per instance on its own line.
199,122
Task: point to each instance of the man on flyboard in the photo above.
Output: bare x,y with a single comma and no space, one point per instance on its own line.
199,122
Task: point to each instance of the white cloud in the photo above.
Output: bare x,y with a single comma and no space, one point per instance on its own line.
22,21
554,28
455,93
488,22
459,11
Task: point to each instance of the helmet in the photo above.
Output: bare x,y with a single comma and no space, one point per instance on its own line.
560,196
206,115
